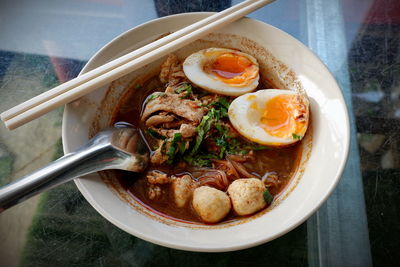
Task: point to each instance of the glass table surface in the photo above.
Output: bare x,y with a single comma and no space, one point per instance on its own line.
44,43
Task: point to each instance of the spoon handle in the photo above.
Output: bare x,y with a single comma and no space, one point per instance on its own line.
94,156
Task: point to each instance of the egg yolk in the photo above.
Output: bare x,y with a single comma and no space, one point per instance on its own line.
284,116
234,69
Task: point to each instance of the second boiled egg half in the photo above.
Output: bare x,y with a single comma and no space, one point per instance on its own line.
274,117
222,71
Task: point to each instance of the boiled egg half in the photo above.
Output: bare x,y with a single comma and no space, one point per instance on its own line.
274,117
222,71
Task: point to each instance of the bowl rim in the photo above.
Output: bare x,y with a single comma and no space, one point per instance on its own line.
233,247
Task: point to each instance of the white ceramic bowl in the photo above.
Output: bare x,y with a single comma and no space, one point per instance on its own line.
322,163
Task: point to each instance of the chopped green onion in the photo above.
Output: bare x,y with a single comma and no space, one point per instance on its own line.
295,136
268,197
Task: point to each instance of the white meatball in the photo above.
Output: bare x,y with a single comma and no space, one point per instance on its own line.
182,188
211,205
247,195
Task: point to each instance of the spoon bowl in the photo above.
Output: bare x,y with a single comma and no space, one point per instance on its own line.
117,148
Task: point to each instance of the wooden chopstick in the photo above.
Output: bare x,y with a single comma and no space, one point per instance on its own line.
115,69
115,63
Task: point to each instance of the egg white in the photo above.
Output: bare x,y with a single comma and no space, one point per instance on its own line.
193,67
245,114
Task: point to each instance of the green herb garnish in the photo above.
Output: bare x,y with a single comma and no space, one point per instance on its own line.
137,86
220,128
237,147
173,147
187,88
154,96
210,127
267,196
155,134
202,129
221,102
230,145
200,160
295,136
222,106
183,147
222,139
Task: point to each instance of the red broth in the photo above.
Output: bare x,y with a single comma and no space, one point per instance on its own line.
282,161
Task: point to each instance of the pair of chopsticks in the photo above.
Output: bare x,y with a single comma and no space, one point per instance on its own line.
88,82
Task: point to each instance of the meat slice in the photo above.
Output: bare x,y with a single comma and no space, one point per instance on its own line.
187,130
156,177
159,119
208,99
158,157
169,133
172,103
171,71
171,62
173,124
154,192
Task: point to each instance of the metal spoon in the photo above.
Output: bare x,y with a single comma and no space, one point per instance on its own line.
117,148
